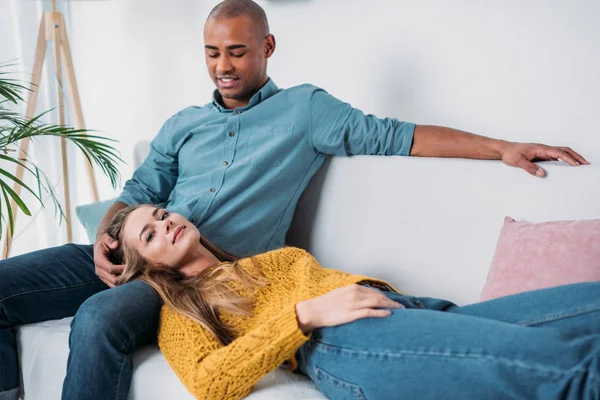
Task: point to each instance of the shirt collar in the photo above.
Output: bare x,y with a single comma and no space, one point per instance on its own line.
268,90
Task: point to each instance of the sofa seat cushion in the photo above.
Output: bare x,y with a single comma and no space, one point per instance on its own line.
43,352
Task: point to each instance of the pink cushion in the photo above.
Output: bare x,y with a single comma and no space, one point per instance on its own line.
535,256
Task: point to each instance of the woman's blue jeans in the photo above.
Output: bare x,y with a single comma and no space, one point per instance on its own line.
537,345
60,282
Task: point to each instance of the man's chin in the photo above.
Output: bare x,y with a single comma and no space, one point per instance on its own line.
231,94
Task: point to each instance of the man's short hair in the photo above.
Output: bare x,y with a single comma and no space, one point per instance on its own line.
237,8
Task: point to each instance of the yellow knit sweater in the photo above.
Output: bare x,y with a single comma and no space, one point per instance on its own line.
263,341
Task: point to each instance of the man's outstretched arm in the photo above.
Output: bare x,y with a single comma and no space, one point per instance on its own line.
437,141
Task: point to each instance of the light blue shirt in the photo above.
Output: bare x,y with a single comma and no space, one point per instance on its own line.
238,174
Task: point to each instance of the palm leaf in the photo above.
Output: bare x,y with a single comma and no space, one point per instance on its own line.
19,182
11,222
15,198
10,89
14,127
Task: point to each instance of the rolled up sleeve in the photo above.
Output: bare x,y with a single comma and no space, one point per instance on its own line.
337,128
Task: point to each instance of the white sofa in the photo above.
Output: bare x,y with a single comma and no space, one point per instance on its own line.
429,226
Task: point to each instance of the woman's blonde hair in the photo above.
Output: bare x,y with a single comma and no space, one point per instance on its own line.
198,297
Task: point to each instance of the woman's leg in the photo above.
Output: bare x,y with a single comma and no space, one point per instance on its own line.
573,309
424,354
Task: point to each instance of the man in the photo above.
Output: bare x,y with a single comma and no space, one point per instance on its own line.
236,168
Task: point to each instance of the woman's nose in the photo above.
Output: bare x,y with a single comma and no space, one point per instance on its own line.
168,225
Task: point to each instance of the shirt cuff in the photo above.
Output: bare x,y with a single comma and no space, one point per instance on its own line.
407,134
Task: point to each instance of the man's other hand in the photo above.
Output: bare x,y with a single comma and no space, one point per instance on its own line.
106,270
522,155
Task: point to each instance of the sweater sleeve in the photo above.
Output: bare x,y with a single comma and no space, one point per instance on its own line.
210,370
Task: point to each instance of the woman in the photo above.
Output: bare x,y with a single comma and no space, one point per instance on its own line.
227,322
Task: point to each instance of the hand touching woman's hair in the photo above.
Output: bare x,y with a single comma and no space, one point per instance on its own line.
197,297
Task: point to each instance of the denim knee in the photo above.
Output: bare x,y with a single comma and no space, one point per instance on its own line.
123,316
95,321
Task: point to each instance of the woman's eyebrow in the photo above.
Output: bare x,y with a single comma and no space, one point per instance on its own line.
148,225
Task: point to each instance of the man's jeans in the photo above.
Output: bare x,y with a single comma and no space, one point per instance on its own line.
537,345
60,282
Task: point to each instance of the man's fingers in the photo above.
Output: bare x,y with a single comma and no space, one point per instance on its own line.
107,278
116,269
113,280
530,167
576,156
562,155
114,244
109,273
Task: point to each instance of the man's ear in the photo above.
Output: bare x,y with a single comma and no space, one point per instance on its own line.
269,45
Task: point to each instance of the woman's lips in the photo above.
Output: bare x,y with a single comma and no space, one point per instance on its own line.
178,233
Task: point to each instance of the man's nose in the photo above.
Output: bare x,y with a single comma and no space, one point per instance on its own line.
224,65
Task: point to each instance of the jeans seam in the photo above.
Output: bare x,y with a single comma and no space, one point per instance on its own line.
404,353
555,317
122,351
121,374
46,288
349,386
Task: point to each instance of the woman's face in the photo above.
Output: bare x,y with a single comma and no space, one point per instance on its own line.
161,237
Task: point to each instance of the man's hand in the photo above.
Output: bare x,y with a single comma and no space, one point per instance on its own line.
343,305
105,270
521,155
439,141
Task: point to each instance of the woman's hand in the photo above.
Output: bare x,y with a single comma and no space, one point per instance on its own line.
343,305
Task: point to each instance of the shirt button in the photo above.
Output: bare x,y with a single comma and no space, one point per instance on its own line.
231,133
193,220
225,163
212,190
238,112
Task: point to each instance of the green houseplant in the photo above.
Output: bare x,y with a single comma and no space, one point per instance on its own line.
14,127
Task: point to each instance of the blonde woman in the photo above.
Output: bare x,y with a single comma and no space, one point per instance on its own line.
228,322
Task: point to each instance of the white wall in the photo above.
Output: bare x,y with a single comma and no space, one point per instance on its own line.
517,70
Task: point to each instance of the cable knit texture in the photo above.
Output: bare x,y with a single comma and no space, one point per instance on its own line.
263,341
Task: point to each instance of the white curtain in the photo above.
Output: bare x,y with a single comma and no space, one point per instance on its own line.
19,23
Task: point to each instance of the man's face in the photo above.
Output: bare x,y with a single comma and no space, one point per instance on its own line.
236,56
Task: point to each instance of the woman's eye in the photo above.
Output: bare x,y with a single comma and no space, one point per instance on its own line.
164,216
149,237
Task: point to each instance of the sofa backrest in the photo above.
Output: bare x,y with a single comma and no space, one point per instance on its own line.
429,226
